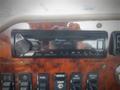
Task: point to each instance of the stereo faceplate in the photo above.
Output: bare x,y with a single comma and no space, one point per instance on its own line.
59,43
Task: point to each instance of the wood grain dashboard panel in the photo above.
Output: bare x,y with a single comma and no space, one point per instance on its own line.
104,67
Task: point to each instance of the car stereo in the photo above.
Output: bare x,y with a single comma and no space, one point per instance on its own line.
59,43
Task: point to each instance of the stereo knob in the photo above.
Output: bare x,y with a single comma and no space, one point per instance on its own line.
22,46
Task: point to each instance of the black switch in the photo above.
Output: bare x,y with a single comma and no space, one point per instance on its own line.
60,82
43,82
8,81
92,82
76,81
114,45
25,81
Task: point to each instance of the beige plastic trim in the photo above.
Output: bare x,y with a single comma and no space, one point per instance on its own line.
41,18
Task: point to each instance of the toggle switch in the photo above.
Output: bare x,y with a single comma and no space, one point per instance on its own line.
60,81
92,81
25,81
43,82
76,81
7,81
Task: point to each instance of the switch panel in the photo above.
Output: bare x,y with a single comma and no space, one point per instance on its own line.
25,81
76,81
7,81
60,81
43,82
92,81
